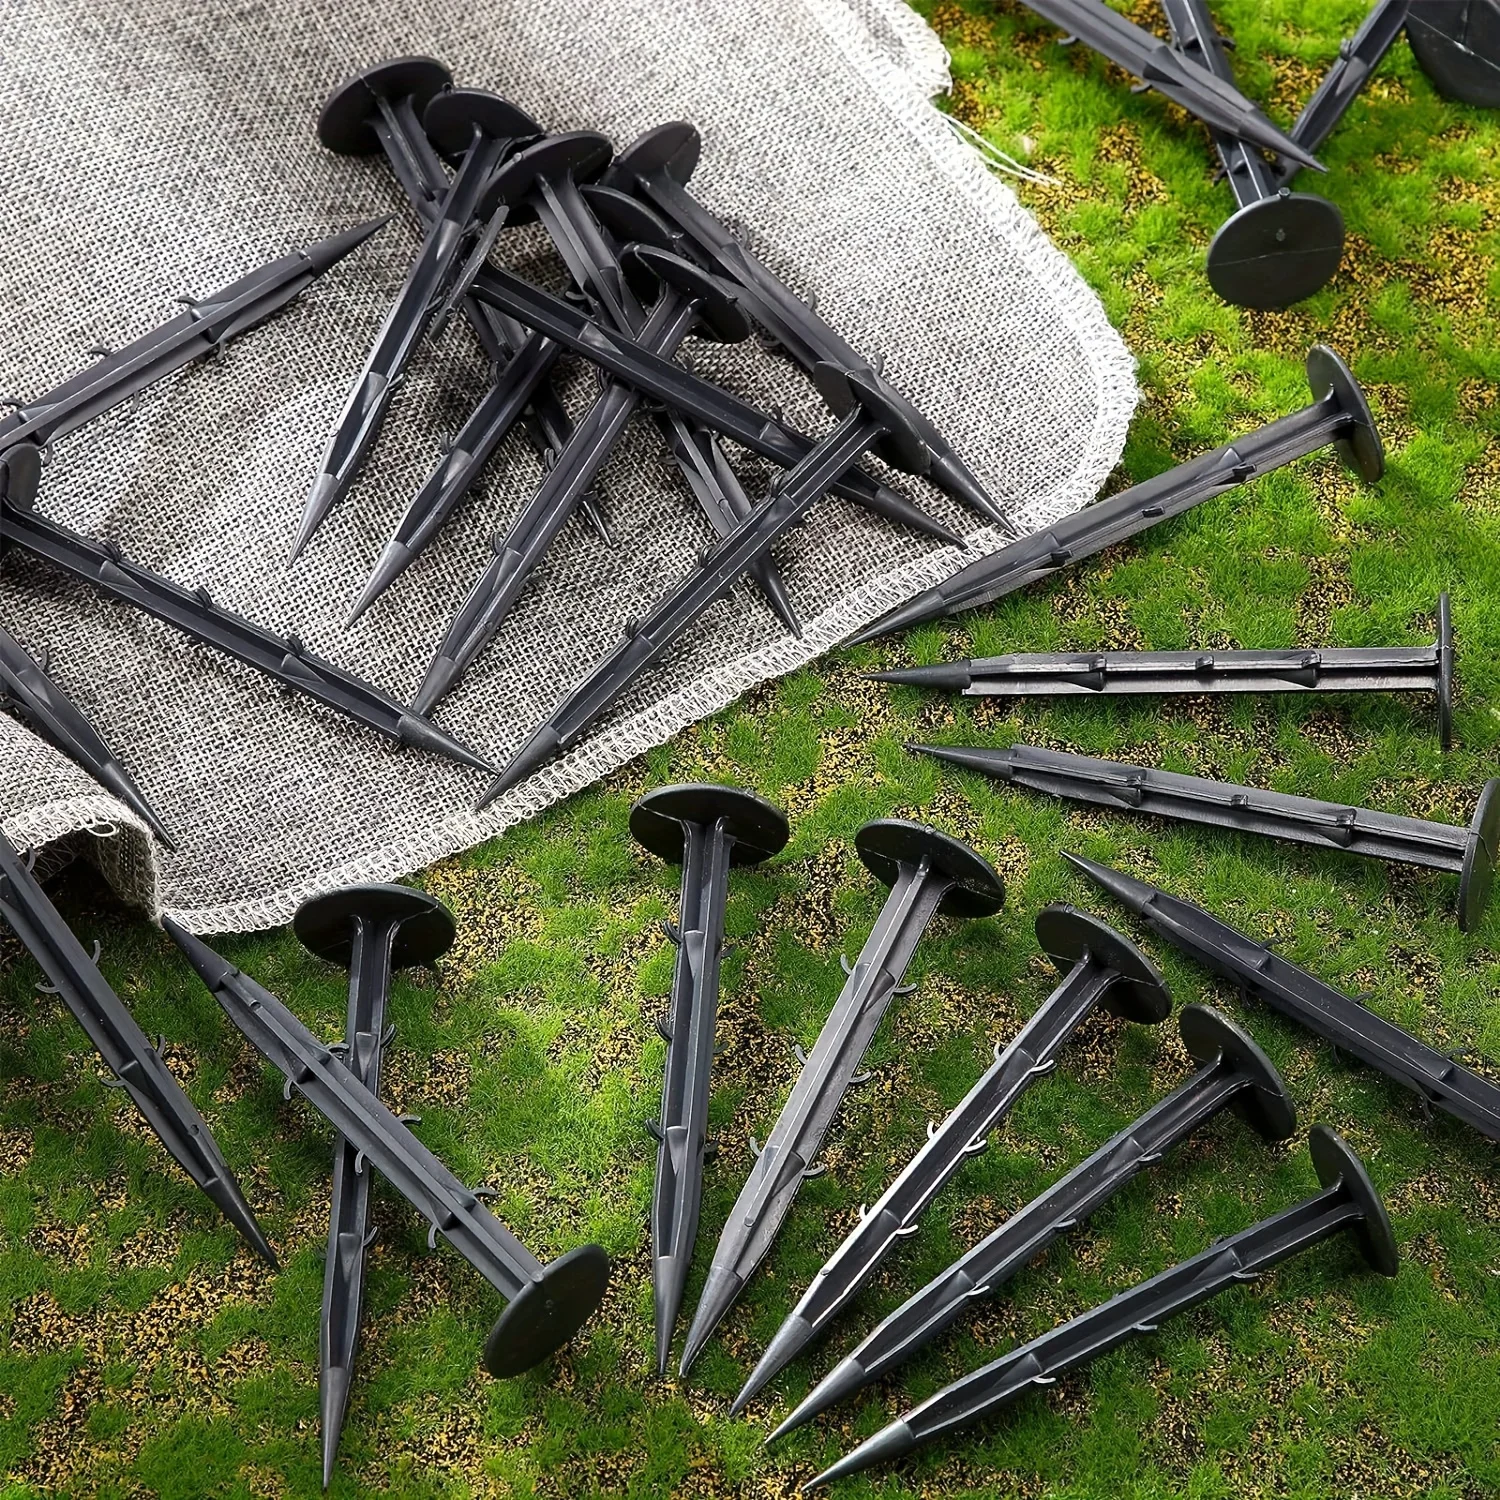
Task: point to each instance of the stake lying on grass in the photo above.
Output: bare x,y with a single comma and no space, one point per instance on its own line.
1469,853
1254,969
1104,674
869,421
481,128
927,872
548,1304
25,685
1235,1074
370,930
1338,414
1279,246
75,978
657,166
1099,967
705,829
1348,1203
1213,100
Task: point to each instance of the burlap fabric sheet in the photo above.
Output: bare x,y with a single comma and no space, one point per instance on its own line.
160,147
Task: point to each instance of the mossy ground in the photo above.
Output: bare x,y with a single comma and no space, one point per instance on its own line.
143,1352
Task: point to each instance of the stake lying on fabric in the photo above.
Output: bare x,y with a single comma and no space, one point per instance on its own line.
869,421
1338,414
691,301
1103,674
75,978
1235,1074
204,326
656,166
927,872
705,829
1216,102
1348,1203
481,128
1279,246
54,716
1469,853
548,1304
1099,967
1254,969
369,930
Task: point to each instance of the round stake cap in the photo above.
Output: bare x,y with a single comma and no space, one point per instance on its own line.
1265,1106
1335,1163
581,154
1445,673
1067,936
629,220
758,829
1478,872
719,314
548,1312
673,148
1276,252
452,117
889,843
844,390
1359,445
344,124
21,474
326,924
1458,47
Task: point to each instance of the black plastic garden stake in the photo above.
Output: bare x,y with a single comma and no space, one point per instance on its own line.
927,872
1278,247
1254,969
548,1304
74,977
1099,967
1213,100
705,829
657,165
675,387
1338,414
869,421
285,659
1349,1203
1457,42
692,302
480,128
25,684
1469,853
370,930
1235,1074
1105,674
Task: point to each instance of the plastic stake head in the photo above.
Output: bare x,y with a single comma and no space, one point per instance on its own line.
888,843
579,154
720,317
453,118
548,1312
1337,1165
1267,1107
758,829
1359,445
1445,673
673,148
1458,46
846,390
20,474
1478,871
1278,251
1069,936
326,924
629,220
344,124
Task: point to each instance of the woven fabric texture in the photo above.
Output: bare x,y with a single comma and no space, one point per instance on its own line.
156,149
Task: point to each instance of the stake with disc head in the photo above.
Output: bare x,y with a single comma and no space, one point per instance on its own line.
657,166
1457,42
1469,853
1099,967
548,1303
705,829
927,872
1234,1074
1106,674
74,977
1338,414
1348,1204
869,421
371,930
1255,969
1279,246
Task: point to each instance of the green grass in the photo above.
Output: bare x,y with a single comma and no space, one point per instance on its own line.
142,1353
